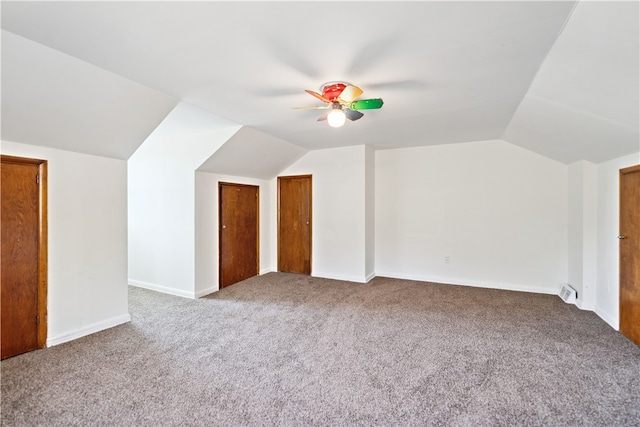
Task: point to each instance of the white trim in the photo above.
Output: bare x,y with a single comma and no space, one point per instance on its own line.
604,315
207,291
162,289
369,276
213,289
266,270
357,279
181,293
88,330
586,307
488,285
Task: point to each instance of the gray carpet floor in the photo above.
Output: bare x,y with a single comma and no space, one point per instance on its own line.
284,349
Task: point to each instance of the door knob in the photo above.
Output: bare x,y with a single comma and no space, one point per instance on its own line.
621,237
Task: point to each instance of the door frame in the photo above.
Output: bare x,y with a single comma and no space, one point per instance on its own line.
234,184
310,177
42,241
624,171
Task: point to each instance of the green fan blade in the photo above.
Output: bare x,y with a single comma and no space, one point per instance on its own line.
366,104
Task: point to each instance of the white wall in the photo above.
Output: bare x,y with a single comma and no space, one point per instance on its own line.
370,213
582,245
575,214
206,228
87,219
497,211
162,198
339,237
608,271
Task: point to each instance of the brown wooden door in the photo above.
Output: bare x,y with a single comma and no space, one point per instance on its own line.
294,224
630,253
23,281
238,222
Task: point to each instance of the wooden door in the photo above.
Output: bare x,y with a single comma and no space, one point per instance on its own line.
238,231
630,253
294,224
23,266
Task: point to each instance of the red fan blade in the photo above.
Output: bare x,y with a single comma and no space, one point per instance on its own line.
317,95
333,91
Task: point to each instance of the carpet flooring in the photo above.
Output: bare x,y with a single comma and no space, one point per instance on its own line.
290,350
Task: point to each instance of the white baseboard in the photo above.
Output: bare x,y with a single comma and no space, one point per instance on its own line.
369,276
207,291
549,290
162,289
347,278
607,317
179,292
88,330
585,306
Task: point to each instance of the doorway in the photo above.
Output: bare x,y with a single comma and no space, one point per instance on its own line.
294,224
630,253
238,232
23,273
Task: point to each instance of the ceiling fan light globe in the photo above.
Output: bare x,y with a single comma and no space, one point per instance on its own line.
336,118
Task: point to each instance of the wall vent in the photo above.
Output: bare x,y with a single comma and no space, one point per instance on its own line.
568,294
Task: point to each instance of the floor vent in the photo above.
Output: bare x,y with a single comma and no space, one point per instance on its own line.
568,294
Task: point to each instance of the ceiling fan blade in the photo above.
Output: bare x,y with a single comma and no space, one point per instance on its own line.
314,107
317,95
352,114
332,91
349,94
366,104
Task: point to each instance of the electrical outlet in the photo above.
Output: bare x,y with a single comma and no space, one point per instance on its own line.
447,259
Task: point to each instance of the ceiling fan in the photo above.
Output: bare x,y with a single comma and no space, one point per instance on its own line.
342,103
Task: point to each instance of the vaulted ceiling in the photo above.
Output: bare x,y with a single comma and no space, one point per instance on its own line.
558,78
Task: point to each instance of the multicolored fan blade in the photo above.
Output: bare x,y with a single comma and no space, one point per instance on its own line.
314,107
317,95
333,91
351,114
366,104
349,94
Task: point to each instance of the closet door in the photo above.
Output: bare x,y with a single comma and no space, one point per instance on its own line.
294,224
238,232
630,253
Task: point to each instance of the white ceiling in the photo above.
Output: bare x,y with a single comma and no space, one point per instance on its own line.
254,154
97,77
583,103
56,100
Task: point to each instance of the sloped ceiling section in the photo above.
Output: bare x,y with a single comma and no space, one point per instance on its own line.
254,154
559,78
584,102
448,71
55,100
